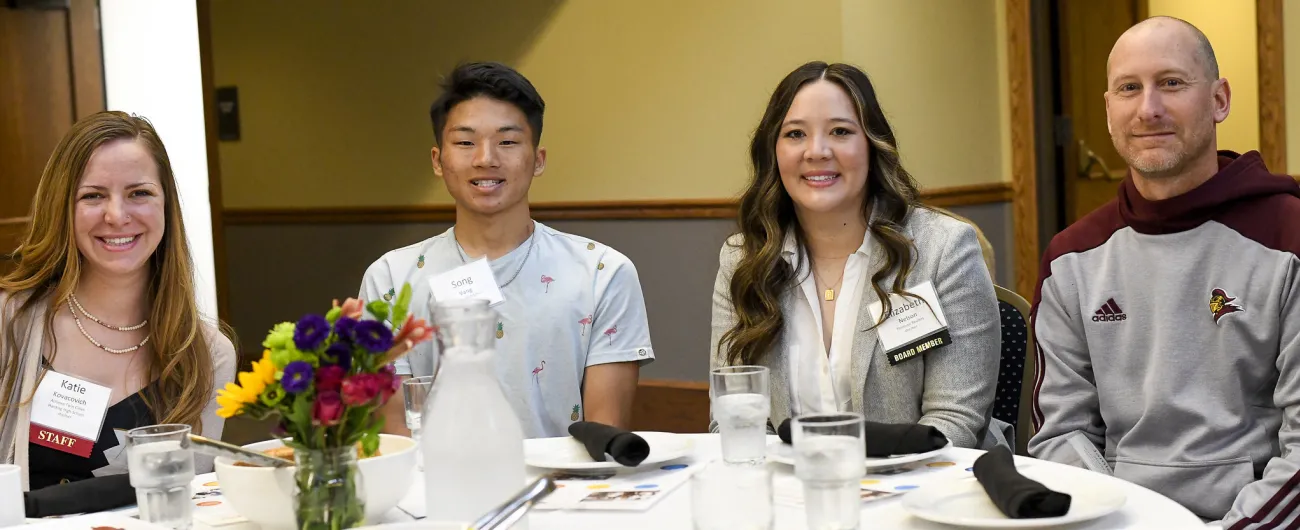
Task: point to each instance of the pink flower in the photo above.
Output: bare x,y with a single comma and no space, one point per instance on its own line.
352,308
413,331
360,389
327,410
330,378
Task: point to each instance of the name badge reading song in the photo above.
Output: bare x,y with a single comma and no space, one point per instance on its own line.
913,326
67,413
473,280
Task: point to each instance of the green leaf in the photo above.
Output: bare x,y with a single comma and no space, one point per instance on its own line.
333,315
379,309
301,415
402,306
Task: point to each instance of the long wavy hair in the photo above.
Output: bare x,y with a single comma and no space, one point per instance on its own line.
767,214
180,364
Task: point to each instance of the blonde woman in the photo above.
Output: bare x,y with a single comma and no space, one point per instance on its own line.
103,292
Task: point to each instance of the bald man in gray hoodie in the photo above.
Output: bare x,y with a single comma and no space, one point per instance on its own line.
1168,321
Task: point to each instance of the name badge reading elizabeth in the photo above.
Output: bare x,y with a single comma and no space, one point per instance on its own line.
67,413
473,280
913,326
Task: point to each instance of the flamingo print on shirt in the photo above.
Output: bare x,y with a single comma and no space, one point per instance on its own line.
610,333
586,321
537,371
546,280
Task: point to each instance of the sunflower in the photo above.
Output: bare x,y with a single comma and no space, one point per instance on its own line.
251,384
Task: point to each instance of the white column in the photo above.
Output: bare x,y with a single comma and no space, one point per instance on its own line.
151,68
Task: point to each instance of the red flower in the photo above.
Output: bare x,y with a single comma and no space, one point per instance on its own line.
389,383
360,389
328,409
330,378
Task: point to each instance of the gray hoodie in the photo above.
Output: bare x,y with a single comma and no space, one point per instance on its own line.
1168,340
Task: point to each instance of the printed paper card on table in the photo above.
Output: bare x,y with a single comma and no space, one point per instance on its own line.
210,506
625,490
884,484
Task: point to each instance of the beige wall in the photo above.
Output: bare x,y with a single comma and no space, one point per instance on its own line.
1230,26
646,99
939,77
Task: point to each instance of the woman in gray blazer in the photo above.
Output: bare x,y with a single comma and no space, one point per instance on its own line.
832,237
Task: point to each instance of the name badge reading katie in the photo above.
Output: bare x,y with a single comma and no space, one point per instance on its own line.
913,326
67,413
473,280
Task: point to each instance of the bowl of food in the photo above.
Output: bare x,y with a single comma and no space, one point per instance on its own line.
264,495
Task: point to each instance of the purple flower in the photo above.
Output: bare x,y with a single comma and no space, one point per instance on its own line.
297,377
310,332
344,327
373,336
338,354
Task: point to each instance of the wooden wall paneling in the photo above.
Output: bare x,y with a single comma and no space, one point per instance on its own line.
1272,85
671,406
990,193
215,199
87,57
1024,204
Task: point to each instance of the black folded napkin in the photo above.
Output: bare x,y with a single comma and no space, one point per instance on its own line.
886,439
1016,495
625,446
83,496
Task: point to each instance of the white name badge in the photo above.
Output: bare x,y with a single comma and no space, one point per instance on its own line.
67,413
913,326
474,280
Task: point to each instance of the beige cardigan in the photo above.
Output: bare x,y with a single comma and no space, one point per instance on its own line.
14,428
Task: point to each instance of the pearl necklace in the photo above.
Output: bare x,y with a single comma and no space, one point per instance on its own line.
92,340
101,322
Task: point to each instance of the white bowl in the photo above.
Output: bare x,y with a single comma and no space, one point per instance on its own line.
264,495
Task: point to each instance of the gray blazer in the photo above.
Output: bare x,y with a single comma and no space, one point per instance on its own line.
951,388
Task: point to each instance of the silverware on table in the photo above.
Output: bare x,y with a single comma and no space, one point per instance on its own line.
514,509
212,447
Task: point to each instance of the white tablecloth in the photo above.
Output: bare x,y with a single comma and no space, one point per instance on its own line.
1144,509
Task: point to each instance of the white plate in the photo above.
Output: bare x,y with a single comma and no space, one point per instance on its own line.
784,453
567,453
963,502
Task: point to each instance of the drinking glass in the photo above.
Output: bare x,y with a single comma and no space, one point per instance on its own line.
161,466
415,390
12,509
739,396
730,497
830,459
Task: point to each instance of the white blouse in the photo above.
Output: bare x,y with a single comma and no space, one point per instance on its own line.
821,382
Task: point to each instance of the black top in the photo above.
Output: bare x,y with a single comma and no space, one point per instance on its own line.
49,467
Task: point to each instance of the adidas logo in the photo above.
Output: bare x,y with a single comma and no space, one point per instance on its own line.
1109,312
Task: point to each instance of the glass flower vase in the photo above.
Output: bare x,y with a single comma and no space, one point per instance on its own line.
330,494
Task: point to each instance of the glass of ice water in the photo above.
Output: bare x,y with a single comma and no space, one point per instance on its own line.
415,390
161,466
730,497
830,459
739,396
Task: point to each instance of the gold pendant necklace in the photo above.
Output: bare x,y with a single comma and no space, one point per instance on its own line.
830,291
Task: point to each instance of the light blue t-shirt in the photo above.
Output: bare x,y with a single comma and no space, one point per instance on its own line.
569,303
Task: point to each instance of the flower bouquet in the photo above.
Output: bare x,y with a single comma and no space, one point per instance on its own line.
326,378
